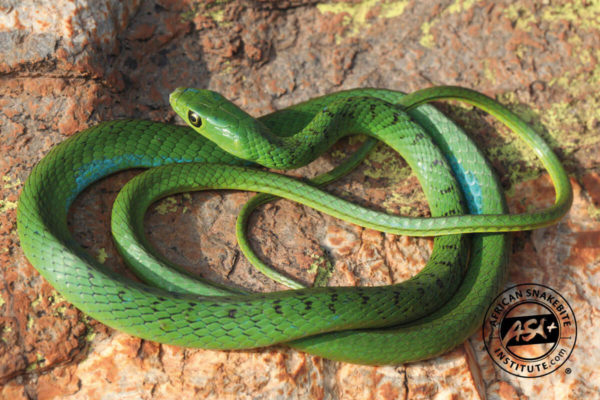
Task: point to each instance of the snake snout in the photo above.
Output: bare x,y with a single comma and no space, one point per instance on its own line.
175,94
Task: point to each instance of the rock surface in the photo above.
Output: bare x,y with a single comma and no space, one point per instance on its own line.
67,65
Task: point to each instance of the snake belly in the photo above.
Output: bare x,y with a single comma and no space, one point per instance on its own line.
221,320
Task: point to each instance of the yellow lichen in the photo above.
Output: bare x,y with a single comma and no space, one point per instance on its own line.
40,361
584,14
427,39
90,336
405,203
521,51
594,212
521,16
213,9
323,267
218,15
227,68
36,302
166,206
487,72
6,205
383,163
393,9
356,14
9,184
102,255
56,298
171,204
460,6
569,125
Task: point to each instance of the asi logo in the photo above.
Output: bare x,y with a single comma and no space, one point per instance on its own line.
530,330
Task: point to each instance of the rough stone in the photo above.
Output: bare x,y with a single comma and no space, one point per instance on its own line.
67,65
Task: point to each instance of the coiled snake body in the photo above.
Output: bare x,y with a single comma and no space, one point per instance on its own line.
420,318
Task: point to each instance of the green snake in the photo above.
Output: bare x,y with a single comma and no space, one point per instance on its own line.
417,319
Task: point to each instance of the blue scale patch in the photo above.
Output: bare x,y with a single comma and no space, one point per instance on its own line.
97,169
469,184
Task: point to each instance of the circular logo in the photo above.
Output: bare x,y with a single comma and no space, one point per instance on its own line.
529,330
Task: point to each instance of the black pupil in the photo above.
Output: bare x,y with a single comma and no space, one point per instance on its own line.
194,118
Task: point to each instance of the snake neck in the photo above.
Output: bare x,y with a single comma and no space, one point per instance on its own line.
343,117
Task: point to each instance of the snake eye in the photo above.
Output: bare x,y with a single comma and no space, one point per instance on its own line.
194,119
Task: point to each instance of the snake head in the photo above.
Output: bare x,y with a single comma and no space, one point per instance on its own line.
217,119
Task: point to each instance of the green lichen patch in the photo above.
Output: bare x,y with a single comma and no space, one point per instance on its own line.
384,164
38,363
102,255
6,329
594,212
171,204
571,125
323,267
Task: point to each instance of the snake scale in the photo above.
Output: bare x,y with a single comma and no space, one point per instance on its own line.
413,320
